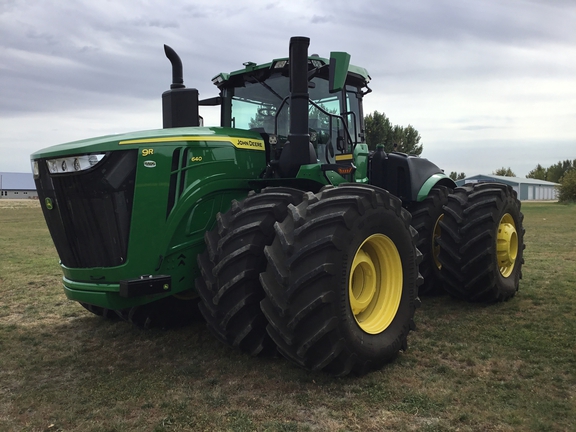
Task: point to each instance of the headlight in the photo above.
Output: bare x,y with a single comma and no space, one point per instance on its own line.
35,169
73,163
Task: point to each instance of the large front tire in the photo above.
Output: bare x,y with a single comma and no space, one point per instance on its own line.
482,242
342,280
229,287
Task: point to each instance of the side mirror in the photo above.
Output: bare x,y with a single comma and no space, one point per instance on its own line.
339,62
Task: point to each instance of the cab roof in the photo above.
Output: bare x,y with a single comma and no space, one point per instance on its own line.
222,79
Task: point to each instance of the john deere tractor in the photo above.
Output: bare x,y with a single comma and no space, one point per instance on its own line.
279,225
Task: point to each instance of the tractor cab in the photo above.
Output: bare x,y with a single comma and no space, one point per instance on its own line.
258,98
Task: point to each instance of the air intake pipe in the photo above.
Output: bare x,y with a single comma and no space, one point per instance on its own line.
298,149
179,104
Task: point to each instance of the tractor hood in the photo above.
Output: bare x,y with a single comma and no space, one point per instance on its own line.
157,136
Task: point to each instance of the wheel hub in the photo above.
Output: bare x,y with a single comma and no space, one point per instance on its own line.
375,284
363,282
507,245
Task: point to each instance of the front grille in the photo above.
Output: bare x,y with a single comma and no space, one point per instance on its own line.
90,219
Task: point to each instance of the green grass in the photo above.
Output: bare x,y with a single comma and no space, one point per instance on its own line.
504,367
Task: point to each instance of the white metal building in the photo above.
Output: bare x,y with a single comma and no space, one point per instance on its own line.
17,186
526,188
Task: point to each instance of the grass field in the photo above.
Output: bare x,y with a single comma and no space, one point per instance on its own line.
503,367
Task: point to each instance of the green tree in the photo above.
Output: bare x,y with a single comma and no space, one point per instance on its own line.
379,130
455,176
411,141
537,173
555,172
504,172
567,188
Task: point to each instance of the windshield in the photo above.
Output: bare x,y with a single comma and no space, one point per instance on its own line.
255,106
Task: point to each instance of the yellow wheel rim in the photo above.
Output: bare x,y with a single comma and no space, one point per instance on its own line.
507,245
435,246
375,285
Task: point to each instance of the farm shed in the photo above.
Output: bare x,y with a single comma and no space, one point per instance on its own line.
527,188
17,186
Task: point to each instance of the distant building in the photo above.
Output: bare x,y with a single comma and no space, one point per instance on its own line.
526,188
17,186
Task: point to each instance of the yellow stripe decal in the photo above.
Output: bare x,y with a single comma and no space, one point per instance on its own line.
241,143
342,157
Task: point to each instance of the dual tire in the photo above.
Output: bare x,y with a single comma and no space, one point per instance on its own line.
482,243
333,279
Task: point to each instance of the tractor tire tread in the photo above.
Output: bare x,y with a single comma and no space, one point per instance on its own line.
229,285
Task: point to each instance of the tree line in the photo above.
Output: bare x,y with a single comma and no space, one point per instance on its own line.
563,172
553,173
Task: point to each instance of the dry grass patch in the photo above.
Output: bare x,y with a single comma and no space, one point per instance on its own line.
19,203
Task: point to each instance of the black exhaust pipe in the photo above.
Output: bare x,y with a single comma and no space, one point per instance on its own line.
179,104
298,150
299,91
177,74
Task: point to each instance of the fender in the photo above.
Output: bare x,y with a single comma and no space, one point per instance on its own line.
436,179
408,177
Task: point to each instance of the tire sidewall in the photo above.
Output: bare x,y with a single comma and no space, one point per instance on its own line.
508,285
387,343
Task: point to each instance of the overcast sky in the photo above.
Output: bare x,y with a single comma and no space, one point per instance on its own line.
487,83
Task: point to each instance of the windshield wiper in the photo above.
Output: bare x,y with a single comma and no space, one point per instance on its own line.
267,87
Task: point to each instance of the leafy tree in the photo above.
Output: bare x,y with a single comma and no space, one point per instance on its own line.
555,172
504,172
410,142
567,188
455,176
537,173
379,130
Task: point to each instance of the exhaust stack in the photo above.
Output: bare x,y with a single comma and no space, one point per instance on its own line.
298,149
179,104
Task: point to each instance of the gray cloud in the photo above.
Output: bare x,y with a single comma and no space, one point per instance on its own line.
463,73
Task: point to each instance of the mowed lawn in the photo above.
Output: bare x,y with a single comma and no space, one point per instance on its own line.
469,367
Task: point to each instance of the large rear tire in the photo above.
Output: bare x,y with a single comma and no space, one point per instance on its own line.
229,287
482,242
426,217
342,280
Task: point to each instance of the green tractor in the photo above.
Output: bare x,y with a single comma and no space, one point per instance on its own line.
279,225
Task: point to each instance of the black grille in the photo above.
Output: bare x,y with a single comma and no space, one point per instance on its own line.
90,219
